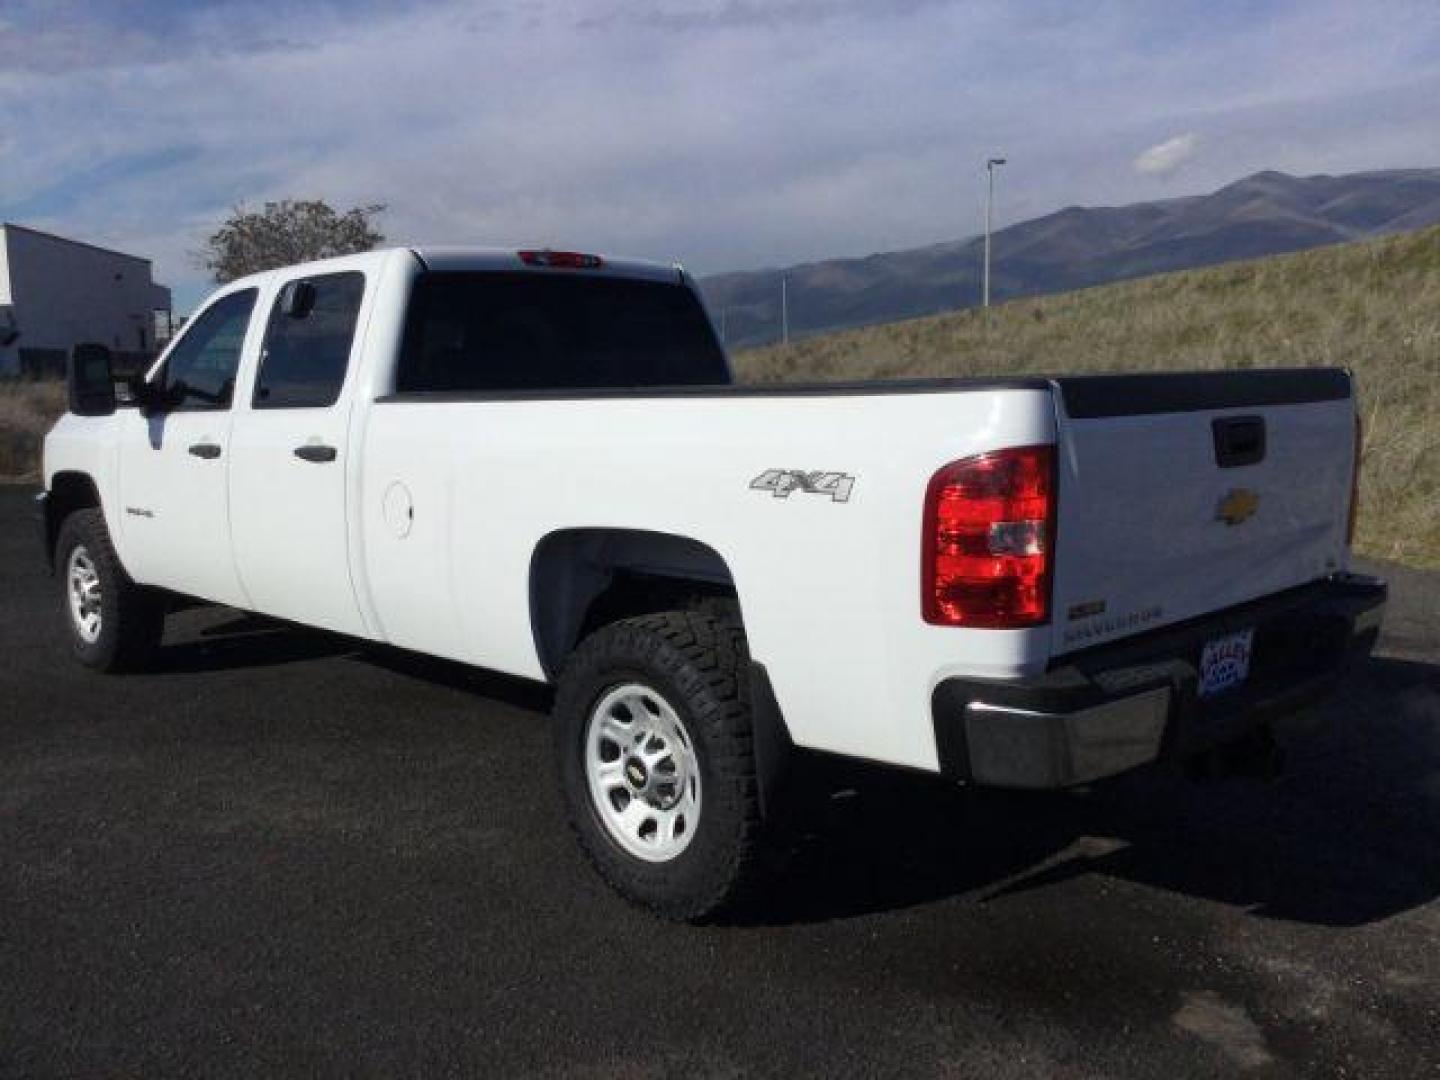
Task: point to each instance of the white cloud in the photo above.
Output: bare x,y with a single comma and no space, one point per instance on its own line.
1164,158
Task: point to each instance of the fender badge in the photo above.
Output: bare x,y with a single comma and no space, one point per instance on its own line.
1238,506
781,482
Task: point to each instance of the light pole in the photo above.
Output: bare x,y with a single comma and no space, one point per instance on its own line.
991,165
784,310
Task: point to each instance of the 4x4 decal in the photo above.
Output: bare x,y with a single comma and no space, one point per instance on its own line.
781,482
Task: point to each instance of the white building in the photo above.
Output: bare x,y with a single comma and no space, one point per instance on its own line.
57,293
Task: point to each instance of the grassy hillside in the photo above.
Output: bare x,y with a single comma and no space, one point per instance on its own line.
1373,307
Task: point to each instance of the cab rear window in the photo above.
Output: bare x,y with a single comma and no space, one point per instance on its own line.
496,331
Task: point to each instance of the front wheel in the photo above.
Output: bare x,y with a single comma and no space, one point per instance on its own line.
655,754
114,624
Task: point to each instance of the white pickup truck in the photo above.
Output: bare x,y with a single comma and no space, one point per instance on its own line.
535,462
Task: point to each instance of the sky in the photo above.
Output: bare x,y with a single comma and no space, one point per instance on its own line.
726,134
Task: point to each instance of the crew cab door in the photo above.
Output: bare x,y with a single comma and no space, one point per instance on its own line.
175,511
289,449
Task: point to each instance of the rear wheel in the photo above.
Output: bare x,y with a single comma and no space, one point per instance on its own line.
643,772
655,755
114,624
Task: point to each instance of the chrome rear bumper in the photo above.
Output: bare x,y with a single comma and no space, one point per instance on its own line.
1104,711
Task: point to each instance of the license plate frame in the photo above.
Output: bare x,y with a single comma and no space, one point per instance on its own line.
1225,662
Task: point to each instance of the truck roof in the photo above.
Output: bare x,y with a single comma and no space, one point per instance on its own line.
460,258
447,258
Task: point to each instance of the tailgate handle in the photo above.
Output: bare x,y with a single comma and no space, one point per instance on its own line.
1239,440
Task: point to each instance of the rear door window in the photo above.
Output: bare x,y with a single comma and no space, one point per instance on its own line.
498,331
307,344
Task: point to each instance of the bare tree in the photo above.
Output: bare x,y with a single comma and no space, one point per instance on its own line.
285,232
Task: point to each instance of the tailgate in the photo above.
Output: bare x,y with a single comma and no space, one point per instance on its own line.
1180,495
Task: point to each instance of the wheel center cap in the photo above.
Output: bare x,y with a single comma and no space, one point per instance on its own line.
635,772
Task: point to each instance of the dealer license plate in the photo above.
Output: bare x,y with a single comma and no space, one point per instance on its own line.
1225,662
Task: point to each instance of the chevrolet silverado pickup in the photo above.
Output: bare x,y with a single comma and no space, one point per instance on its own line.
536,462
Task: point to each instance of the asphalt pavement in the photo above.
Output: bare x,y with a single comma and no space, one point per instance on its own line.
285,854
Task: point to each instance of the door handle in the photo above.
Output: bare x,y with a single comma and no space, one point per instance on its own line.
315,452
206,450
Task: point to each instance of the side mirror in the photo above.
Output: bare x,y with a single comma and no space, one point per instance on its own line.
91,381
297,299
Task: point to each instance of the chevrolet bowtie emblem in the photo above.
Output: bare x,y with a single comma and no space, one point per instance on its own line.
1238,505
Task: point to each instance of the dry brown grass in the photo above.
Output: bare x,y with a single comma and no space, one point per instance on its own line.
27,412
1373,307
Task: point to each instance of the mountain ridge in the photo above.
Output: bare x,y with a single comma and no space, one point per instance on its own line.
1266,213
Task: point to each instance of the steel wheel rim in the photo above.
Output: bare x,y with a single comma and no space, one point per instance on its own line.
643,773
82,587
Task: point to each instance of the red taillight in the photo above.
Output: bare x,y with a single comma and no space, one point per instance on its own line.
561,260
988,540
1355,481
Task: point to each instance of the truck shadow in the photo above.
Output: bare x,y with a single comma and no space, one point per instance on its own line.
1350,834
210,638
234,640
509,689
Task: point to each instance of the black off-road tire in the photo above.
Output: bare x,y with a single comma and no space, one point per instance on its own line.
132,617
698,662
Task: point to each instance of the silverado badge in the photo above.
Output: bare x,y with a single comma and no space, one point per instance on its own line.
1238,505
